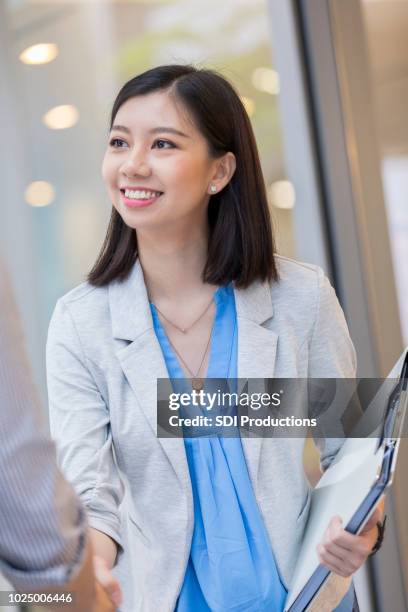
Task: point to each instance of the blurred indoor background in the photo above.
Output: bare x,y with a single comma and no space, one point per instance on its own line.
325,83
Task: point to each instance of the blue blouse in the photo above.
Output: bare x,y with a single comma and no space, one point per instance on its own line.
231,567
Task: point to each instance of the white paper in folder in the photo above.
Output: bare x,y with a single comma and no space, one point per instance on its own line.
350,488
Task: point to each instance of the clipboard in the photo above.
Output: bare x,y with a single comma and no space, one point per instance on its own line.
351,487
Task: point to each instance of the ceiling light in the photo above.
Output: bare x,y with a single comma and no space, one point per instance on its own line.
266,79
39,54
282,194
39,193
61,117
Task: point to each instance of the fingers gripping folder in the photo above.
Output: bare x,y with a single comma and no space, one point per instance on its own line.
351,487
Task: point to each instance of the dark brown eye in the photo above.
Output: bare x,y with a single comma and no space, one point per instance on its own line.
160,142
117,143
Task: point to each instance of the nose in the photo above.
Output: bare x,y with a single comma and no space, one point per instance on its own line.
136,165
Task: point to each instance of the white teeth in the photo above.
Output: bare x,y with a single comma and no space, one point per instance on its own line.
140,195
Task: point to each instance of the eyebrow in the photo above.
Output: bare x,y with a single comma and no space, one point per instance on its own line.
156,130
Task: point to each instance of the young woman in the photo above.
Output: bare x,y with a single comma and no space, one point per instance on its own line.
187,285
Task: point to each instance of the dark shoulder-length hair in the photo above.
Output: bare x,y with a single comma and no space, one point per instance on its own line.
241,244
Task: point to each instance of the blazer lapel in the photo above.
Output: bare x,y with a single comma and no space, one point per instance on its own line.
141,357
142,361
257,347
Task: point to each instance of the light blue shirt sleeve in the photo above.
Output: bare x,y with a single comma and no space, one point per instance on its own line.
43,525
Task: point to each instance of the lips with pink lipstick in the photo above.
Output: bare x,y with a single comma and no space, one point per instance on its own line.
138,196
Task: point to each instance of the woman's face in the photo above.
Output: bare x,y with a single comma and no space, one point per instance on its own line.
157,168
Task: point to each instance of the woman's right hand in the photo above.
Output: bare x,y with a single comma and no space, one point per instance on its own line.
107,583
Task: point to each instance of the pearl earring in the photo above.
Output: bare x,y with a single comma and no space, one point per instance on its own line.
213,188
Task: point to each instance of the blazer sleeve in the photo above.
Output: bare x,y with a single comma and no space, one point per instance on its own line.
331,351
43,530
80,425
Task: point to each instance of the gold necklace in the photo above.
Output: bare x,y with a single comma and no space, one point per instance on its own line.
197,383
184,330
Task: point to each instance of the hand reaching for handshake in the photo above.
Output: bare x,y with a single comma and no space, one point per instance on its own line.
108,595
340,551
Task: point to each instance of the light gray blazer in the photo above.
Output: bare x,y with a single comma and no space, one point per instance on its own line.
103,359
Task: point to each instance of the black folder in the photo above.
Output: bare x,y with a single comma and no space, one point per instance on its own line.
351,488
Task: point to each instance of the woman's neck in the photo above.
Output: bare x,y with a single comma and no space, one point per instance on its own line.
172,268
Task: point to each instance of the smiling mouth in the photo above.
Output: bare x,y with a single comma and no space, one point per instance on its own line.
140,194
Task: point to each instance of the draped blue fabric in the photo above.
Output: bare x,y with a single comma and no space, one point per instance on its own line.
231,567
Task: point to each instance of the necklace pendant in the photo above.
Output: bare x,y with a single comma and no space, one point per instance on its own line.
197,384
